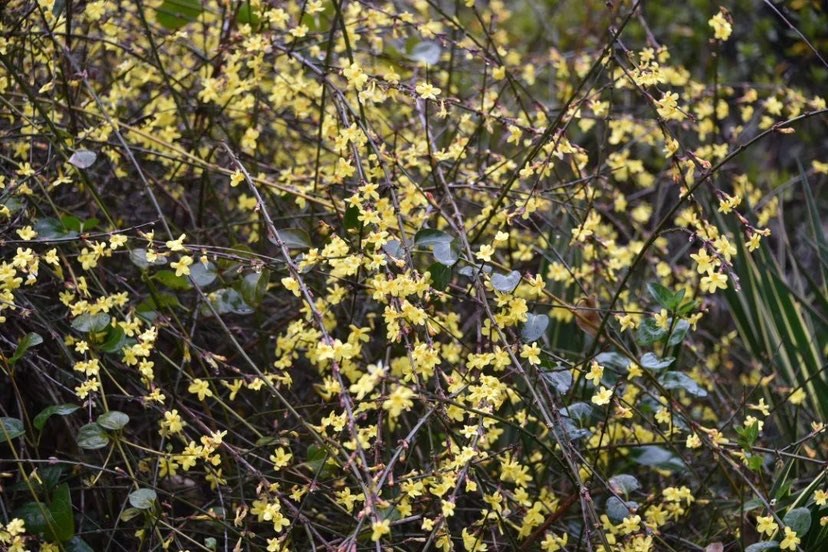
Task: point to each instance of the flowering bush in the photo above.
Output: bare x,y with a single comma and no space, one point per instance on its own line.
475,275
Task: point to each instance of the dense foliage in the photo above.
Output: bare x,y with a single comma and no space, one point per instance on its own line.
412,275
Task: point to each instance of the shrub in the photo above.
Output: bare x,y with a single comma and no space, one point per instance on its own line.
415,275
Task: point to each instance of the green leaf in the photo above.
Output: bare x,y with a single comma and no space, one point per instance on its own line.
129,513
650,361
446,253
174,14
83,159
11,428
254,286
113,420
169,279
798,519
115,340
36,517
77,544
429,236
658,457
58,409
143,499
649,332
247,14
614,360
91,322
679,333
61,510
49,228
664,296
228,300
139,258
761,546
351,220
624,484
427,52
506,282
617,509
561,380
26,342
91,437
55,521
680,380
440,276
294,238
534,327
202,275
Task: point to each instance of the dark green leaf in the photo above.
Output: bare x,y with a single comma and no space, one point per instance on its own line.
664,296
613,360
77,544
658,457
91,437
506,282
440,276
429,236
174,14
49,228
798,519
61,510
143,499
534,327
254,286
113,420
11,428
650,361
617,509
202,275
680,380
139,258
26,342
294,238
762,546
561,380
447,253
115,340
36,517
649,332
58,409
624,484
679,333
351,221
228,300
169,279
91,322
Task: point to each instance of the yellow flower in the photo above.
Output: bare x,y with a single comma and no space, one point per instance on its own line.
721,26
485,253
398,400
182,266
713,281
791,541
379,529
236,178
201,388
602,396
177,245
427,91
531,353
766,525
